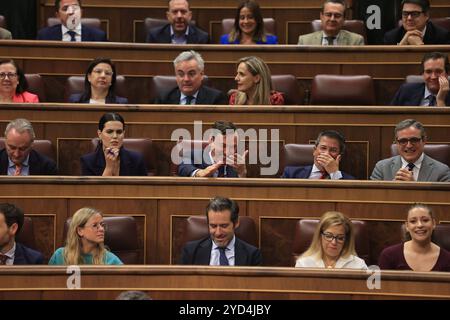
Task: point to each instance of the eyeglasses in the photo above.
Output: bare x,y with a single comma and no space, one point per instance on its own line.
336,15
100,71
404,141
330,237
99,225
413,14
10,75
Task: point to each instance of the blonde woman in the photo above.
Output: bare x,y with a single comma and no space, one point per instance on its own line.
84,243
254,86
333,245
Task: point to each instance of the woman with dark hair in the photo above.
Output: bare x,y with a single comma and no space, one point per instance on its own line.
99,84
13,84
418,253
110,158
248,26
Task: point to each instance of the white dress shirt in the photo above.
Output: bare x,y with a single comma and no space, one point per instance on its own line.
315,261
229,252
416,168
66,36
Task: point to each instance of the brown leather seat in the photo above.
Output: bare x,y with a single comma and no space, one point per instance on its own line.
75,84
269,25
121,238
142,145
297,155
26,234
36,85
184,148
160,85
287,83
356,26
44,147
90,22
328,89
305,228
439,152
2,22
197,228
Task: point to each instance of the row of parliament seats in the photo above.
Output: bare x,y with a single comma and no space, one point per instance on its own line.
290,155
326,89
122,237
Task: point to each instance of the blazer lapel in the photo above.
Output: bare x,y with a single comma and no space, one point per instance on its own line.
426,169
239,254
204,252
19,257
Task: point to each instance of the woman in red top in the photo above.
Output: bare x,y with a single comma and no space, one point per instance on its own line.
254,86
13,84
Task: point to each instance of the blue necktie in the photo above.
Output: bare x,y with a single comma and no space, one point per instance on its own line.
72,35
410,166
432,100
189,99
223,260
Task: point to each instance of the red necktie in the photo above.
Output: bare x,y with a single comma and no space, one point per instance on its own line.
18,170
324,175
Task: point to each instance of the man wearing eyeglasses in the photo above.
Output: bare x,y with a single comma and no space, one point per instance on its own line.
332,19
18,158
70,29
416,28
434,91
411,163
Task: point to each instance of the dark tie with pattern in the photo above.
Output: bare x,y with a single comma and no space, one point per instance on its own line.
324,174
330,40
189,99
72,35
410,166
3,259
432,100
223,260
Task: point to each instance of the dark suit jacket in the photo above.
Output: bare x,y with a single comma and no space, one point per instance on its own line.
198,252
87,33
304,173
76,98
189,165
433,35
411,94
131,163
206,95
25,255
39,164
162,35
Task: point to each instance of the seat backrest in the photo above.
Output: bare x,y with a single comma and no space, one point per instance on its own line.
36,85
75,84
150,23
439,152
184,149
44,147
90,22
305,228
269,25
328,89
197,228
121,238
296,154
442,22
2,22
142,145
356,26
287,83
26,234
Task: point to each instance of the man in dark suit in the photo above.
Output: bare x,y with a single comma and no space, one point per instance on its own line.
411,163
18,158
435,88
189,73
221,247
327,152
178,30
12,252
70,29
219,159
416,29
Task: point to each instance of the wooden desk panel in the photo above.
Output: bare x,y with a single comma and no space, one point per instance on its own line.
161,205
188,283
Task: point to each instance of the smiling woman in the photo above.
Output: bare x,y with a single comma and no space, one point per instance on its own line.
418,253
13,84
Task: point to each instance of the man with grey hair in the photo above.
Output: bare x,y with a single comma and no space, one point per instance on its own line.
411,163
189,72
18,158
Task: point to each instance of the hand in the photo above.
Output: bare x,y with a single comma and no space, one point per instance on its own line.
327,162
404,175
209,171
413,37
237,161
112,161
443,91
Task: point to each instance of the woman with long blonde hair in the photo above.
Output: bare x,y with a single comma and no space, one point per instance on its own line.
85,241
333,245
